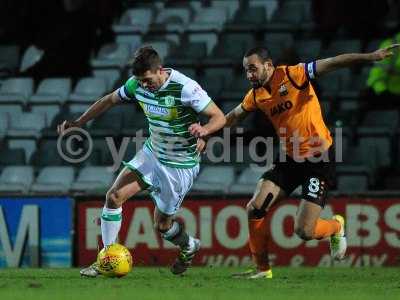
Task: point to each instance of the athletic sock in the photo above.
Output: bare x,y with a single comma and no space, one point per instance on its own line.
325,228
110,225
177,235
258,243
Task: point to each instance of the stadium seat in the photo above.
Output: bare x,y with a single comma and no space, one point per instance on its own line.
132,40
47,154
247,181
173,19
270,6
4,123
193,54
209,38
52,90
31,56
101,153
93,179
111,76
387,119
29,145
133,121
9,59
351,184
108,124
213,85
55,180
237,88
12,157
308,50
134,20
111,56
238,43
231,6
210,18
16,179
214,179
27,125
249,17
16,90
86,92
342,46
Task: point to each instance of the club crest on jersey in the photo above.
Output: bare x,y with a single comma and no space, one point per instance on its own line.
283,90
169,100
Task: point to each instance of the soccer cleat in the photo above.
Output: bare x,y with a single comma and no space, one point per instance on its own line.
185,259
91,271
261,275
338,242
254,274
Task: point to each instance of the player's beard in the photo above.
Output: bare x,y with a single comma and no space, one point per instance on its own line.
260,82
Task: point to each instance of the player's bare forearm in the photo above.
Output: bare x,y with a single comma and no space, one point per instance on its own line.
235,116
215,123
97,108
327,65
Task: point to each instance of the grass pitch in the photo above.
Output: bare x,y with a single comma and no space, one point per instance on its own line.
203,283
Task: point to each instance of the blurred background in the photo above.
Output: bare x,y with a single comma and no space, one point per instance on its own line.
57,57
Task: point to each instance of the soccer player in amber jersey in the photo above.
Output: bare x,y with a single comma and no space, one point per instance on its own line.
287,98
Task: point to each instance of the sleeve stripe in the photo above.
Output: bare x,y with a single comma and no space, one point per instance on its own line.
122,93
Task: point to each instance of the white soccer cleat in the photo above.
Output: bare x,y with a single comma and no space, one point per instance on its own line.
338,241
254,274
91,271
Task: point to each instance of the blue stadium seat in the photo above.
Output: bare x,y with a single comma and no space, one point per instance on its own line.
16,179
55,180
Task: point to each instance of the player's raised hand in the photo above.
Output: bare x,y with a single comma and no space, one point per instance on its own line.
61,128
197,130
381,54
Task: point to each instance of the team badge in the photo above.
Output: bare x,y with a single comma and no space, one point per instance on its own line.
283,90
169,100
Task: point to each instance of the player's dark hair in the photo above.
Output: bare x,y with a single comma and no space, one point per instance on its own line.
144,59
261,52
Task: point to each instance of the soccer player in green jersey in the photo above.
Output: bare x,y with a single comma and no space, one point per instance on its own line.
169,160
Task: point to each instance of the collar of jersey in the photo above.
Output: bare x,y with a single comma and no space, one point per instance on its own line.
171,72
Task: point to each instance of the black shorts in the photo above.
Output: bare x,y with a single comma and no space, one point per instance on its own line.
315,177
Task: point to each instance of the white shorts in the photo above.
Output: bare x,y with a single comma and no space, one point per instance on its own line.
168,186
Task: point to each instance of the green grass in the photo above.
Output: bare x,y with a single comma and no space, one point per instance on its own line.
203,283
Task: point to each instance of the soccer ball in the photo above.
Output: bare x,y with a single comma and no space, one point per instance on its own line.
114,261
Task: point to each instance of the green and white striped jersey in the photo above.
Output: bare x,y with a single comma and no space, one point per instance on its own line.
170,111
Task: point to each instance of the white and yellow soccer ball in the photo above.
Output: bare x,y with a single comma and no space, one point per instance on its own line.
114,261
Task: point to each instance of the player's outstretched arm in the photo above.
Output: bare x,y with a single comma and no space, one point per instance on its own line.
216,122
323,66
235,116
96,109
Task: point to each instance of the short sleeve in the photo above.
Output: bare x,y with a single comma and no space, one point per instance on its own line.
300,74
128,90
248,103
194,96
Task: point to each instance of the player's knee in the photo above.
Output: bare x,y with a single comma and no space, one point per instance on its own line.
303,232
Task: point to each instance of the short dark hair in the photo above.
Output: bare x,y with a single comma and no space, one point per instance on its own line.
145,59
261,52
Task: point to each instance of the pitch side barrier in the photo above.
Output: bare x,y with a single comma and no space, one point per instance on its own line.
220,221
63,231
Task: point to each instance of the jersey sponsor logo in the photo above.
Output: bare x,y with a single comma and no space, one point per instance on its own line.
156,110
283,90
281,107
